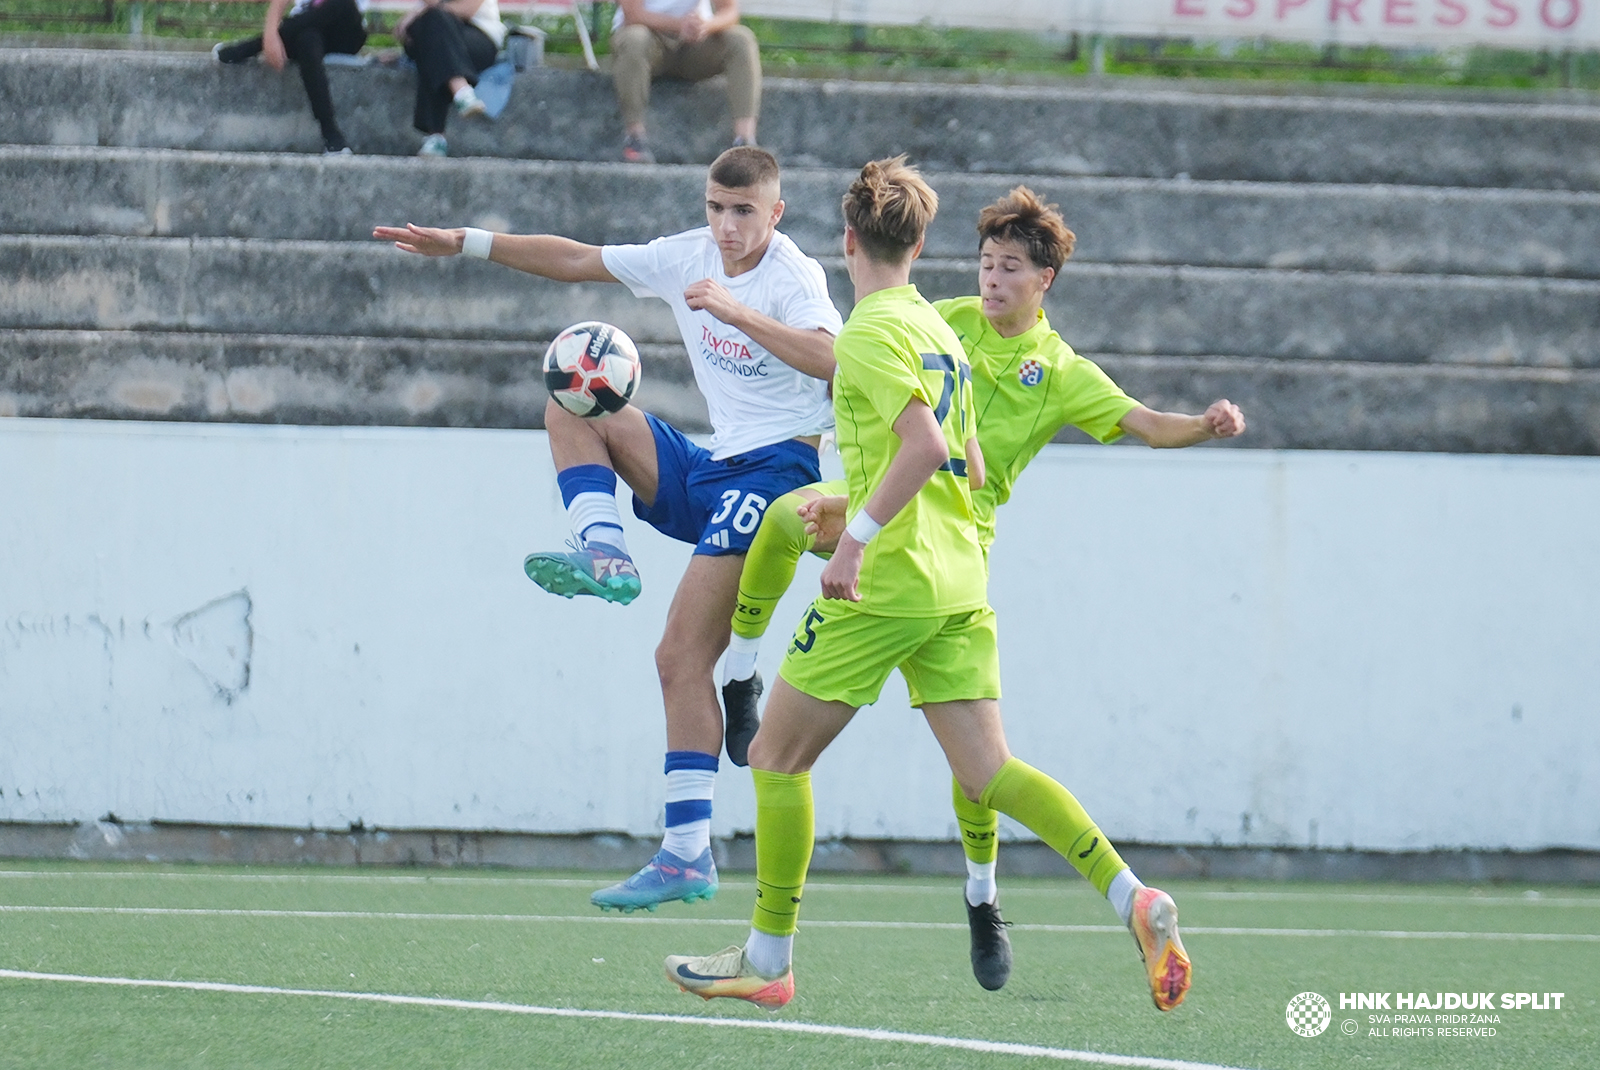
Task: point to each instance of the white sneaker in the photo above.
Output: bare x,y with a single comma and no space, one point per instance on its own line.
434,145
468,106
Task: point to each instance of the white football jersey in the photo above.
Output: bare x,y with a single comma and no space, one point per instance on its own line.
754,398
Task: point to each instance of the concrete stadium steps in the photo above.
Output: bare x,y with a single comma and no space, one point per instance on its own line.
369,289
1330,227
1291,404
1353,405
1359,270
166,100
281,378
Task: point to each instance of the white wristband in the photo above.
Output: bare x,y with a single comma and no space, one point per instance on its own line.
477,243
862,528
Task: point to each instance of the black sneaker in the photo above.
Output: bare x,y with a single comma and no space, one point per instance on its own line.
991,945
237,52
742,718
334,144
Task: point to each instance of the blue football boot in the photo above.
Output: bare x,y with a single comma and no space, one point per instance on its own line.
595,568
667,877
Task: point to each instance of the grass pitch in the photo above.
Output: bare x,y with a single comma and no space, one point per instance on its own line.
311,968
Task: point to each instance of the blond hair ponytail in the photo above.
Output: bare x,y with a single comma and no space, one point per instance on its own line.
889,206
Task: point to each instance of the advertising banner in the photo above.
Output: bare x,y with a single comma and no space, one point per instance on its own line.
1555,25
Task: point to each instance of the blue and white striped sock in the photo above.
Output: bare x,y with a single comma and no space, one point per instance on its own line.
589,491
690,775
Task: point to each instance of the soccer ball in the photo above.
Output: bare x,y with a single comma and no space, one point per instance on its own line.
592,369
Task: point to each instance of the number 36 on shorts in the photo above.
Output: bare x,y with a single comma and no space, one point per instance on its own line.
746,513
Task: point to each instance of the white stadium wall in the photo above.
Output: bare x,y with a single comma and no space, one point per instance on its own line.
291,626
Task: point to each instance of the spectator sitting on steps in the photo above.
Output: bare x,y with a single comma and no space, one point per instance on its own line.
451,42
688,39
312,30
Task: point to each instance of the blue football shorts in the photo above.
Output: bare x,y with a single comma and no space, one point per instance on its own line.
718,505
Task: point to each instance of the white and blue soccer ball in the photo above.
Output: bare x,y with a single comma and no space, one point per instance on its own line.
592,369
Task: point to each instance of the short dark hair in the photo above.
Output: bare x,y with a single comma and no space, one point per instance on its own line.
889,207
744,166
1021,217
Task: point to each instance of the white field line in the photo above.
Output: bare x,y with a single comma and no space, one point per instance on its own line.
1012,892
987,1047
926,926
1536,899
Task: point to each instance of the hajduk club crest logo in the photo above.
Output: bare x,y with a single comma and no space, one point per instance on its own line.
1031,373
1308,1014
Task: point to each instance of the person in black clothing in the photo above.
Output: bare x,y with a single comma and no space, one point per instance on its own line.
451,42
312,30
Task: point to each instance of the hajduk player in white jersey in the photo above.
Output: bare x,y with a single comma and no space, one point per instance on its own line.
755,316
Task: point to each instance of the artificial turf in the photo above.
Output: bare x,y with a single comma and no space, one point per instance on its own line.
874,953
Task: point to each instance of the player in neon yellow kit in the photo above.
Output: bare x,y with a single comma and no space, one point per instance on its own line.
1028,385
906,587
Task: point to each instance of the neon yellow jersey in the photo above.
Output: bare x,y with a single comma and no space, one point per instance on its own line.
926,562
1027,388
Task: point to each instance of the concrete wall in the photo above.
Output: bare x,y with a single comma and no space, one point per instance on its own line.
227,285
315,626
1361,268
172,193
1204,131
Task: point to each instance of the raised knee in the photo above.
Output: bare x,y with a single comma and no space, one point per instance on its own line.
770,758
428,21
782,520
762,755
741,37
557,417
631,44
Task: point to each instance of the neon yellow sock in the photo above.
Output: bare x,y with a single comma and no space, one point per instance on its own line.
770,564
980,827
785,827
1023,793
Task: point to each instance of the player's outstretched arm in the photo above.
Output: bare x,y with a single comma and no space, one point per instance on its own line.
922,452
1173,430
805,350
546,255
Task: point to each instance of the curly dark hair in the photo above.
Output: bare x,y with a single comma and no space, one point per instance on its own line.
1021,217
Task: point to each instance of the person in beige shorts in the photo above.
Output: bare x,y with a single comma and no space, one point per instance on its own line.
689,39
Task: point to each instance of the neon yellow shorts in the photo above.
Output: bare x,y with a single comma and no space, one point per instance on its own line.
840,654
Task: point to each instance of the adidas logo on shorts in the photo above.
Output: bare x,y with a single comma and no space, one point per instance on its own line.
718,538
